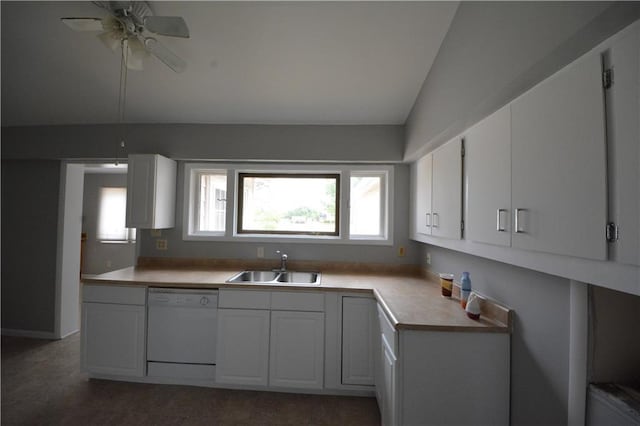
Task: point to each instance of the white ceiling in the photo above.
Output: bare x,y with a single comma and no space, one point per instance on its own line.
248,62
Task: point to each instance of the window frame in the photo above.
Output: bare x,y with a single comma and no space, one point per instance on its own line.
233,170
239,230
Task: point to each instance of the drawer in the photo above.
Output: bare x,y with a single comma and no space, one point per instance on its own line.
244,299
121,295
297,301
389,334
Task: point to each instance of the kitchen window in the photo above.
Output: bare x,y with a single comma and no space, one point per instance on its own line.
111,216
294,204
311,203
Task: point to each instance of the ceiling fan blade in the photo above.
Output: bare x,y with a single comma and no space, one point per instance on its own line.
165,55
83,24
173,26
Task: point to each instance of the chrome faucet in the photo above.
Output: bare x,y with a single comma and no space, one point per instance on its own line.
283,261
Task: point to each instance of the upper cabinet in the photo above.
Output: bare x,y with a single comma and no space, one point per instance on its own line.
421,195
151,191
446,201
488,179
623,139
436,181
558,191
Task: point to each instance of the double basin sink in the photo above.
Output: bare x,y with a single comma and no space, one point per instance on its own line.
293,278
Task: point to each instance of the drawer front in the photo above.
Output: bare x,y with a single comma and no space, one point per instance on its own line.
297,301
121,295
389,334
244,299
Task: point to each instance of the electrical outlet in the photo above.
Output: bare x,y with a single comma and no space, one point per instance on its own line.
260,252
400,251
161,245
428,258
155,233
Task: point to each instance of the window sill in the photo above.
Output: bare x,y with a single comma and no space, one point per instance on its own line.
116,242
293,239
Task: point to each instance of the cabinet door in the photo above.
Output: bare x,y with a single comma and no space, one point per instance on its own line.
559,165
113,339
623,135
358,319
140,190
488,170
388,409
297,349
242,354
421,191
447,190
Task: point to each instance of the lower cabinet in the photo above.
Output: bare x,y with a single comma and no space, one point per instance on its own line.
440,377
358,336
297,349
113,330
243,347
271,339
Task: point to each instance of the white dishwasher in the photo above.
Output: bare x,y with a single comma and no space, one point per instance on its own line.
181,333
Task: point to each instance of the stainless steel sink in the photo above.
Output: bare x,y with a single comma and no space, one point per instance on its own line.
292,278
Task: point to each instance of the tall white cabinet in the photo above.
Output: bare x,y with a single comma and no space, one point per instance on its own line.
151,191
421,172
558,182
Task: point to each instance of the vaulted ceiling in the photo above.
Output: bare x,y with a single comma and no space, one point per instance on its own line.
247,62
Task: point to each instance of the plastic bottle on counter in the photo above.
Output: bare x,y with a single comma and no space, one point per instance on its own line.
465,289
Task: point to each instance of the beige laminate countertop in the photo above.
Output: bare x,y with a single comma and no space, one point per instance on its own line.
411,302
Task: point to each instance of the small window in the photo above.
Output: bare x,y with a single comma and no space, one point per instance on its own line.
302,204
112,214
368,205
208,202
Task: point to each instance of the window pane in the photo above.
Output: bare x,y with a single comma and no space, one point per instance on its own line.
288,204
212,202
111,216
366,206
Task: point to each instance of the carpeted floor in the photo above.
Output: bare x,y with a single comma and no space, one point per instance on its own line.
42,385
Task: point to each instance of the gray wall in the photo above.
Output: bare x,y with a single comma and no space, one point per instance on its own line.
296,251
495,51
540,339
102,257
30,191
201,141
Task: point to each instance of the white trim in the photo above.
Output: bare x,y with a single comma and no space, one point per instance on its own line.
578,350
33,334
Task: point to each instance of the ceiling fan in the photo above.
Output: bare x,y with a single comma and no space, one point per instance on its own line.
130,25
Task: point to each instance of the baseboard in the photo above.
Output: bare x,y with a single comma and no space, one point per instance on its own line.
50,335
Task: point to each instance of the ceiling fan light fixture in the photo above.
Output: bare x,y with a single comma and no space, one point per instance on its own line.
83,24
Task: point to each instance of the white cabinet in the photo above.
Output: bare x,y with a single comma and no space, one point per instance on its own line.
436,188
559,194
421,172
420,377
151,191
623,140
446,202
243,347
270,338
113,330
488,179
297,349
358,336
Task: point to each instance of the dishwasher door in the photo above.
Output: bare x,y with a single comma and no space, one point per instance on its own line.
182,326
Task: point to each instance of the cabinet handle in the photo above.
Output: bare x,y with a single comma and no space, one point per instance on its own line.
516,221
436,223
428,220
499,226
